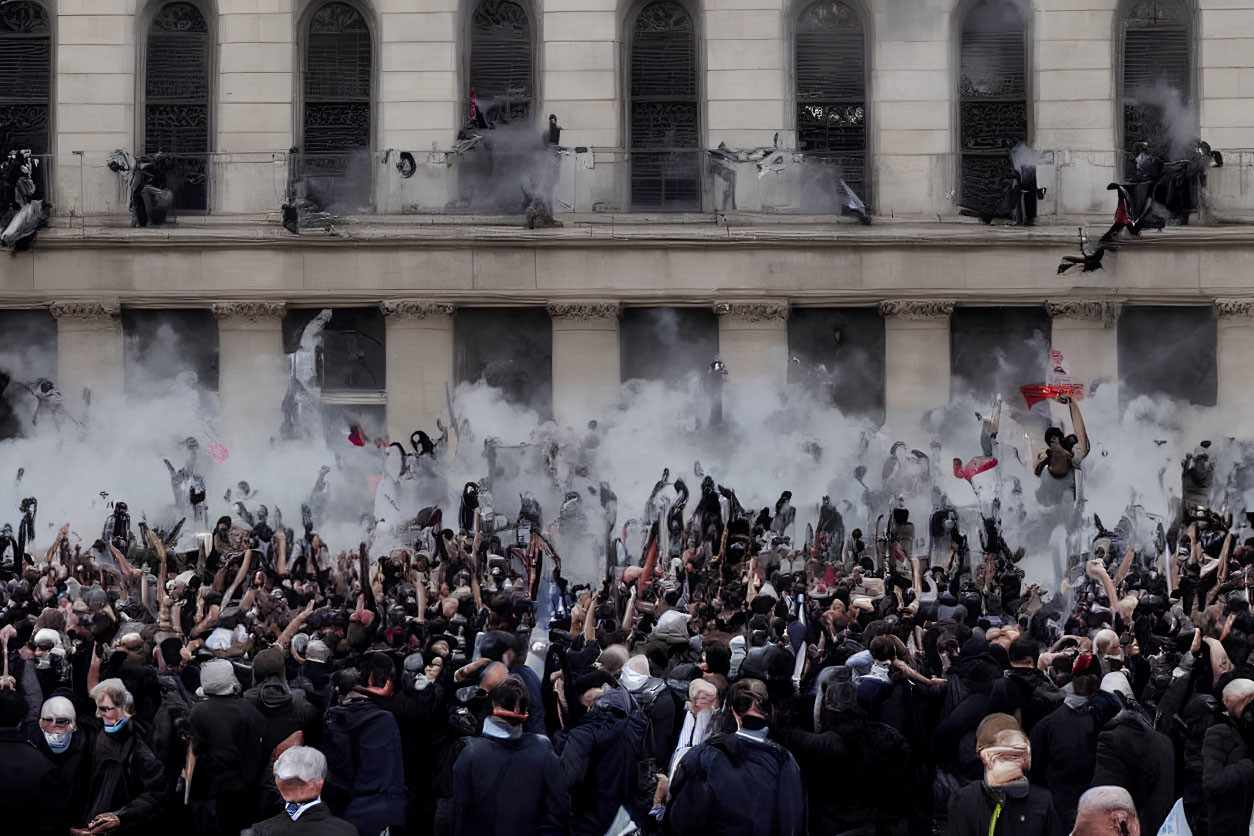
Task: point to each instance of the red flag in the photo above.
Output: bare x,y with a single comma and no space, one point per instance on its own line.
1035,394
357,437
973,468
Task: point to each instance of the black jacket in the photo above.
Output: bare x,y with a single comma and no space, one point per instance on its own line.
1228,780
599,759
74,766
32,792
226,737
1064,754
315,821
365,766
736,786
126,779
1026,693
1130,754
507,786
971,812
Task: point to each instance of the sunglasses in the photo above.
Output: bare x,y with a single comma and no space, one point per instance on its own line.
60,722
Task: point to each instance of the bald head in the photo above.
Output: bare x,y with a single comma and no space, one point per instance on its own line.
1237,695
1106,811
493,675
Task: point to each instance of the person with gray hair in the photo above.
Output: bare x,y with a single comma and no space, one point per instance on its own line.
299,773
1106,811
127,780
1227,768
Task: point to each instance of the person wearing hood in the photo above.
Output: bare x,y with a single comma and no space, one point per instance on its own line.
1227,767
655,700
1004,803
740,784
1024,691
672,637
365,759
127,780
1132,755
508,781
32,790
226,758
299,775
600,754
60,740
286,713
1064,743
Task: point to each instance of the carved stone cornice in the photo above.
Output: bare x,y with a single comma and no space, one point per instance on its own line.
585,311
251,311
415,309
85,310
753,311
917,308
1234,308
1087,310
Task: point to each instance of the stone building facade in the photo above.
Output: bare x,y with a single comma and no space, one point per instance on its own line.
901,95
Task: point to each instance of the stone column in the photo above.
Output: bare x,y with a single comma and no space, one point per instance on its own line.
1236,347
586,360
89,352
419,365
1084,331
252,370
753,341
916,358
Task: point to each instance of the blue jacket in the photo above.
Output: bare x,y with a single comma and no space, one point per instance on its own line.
599,759
365,766
510,787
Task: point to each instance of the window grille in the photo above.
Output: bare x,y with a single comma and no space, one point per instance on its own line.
992,101
665,110
176,100
1157,64
26,67
338,71
831,88
500,60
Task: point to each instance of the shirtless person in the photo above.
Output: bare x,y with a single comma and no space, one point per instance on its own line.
1063,453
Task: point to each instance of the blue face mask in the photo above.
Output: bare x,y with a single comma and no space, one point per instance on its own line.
111,729
58,743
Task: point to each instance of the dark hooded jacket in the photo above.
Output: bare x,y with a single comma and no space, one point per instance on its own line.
1064,754
1228,779
599,758
126,779
734,785
1130,754
32,792
510,786
1026,691
286,712
972,808
365,768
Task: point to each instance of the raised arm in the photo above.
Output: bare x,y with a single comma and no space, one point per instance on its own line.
1077,425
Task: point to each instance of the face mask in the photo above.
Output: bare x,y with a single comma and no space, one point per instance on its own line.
111,729
58,743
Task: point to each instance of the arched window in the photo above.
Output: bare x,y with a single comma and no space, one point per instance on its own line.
992,100
26,94
337,81
500,60
665,110
176,100
1156,66
831,88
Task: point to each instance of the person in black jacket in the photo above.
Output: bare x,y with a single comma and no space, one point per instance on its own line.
1132,755
59,738
1024,691
1227,768
127,780
740,784
508,782
32,791
1064,748
365,762
299,774
226,744
1004,803
285,711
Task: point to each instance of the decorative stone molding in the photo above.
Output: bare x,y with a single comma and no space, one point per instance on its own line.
1089,310
414,309
586,311
753,311
1234,308
251,311
917,309
85,310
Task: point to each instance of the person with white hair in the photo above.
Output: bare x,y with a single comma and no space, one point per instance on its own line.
1227,768
1106,811
60,740
299,773
127,780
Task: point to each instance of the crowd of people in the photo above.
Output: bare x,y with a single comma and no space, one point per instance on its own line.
722,676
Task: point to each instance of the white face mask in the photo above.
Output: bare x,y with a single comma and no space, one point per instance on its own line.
58,742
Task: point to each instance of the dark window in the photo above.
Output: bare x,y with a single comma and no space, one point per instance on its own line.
500,60
352,356
170,346
26,94
994,351
667,343
838,354
992,101
1157,75
831,89
176,100
28,352
664,110
337,90
510,349
1168,351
